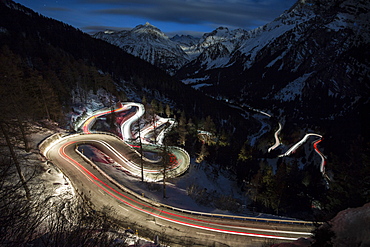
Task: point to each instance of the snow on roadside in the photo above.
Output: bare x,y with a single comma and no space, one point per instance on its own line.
55,184
49,182
203,176
197,86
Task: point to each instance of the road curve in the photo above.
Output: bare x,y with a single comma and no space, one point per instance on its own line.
179,158
298,144
277,140
323,158
102,191
304,139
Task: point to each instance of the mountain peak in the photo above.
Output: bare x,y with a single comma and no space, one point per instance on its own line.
149,43
148,28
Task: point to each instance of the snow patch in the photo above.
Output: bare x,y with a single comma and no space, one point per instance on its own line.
194,80
293,89
3,30
198,86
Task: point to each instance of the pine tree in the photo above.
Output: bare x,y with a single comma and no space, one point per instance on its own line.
245,152
182,129
209,125
165,165
168,111
160,109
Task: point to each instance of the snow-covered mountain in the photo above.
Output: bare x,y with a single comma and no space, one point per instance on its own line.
314,50
185,40
214,46
150,44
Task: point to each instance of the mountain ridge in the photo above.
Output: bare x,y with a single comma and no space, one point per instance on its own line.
297,48
148,43
303,52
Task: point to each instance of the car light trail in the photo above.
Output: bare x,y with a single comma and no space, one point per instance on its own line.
323,159
127,135
123,198
277,141
298,144
167,213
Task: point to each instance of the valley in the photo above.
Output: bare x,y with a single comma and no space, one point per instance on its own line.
253,137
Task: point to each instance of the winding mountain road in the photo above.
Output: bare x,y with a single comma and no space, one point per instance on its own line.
323,158
184,227
298,144
277,140
97,187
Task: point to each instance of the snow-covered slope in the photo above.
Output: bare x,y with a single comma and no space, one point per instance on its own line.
214,49
292,26
150,44
185,40
315,50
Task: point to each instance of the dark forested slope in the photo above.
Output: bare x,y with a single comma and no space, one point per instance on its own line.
44,60
45,45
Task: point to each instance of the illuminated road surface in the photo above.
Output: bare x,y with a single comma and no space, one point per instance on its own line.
102,191
277,140
179,158
298,144
323,159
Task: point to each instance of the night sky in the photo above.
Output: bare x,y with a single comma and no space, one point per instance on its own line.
171,16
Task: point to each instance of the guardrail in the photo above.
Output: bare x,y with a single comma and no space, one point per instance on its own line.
49,141
83,118
226,216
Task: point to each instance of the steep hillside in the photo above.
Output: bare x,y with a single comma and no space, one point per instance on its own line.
310,68
54,63
313,52
41,41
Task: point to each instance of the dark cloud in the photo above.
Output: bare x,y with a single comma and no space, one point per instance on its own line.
232,13
182,16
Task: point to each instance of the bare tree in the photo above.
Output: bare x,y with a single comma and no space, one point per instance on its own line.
166,163
20,218
141,153
15,160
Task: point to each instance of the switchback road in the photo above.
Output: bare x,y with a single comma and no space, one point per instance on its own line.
185,227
